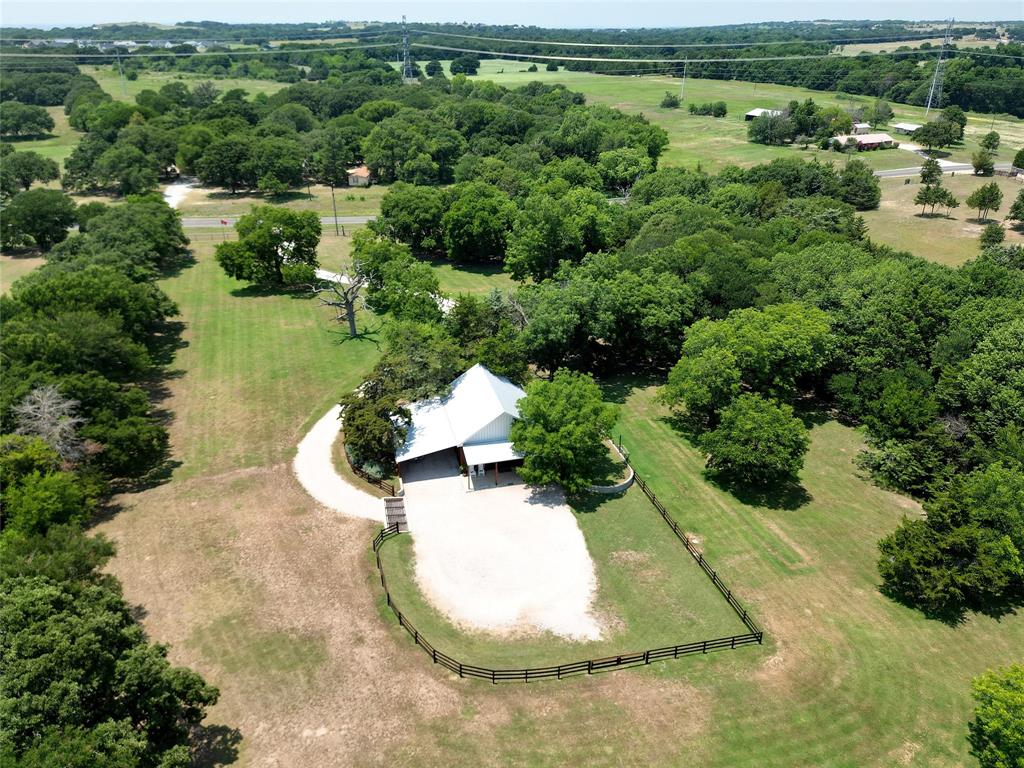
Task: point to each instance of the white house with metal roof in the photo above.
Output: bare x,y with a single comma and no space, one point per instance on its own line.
473,420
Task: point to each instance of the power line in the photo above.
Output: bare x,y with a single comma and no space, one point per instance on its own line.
595,59
751,44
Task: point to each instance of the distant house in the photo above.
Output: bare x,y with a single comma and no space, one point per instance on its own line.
760,112
905,128
865,140
359,176
472,421
861,128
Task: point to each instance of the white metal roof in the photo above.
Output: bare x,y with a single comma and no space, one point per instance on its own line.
490,453
477,398
758,111
905,127
864,138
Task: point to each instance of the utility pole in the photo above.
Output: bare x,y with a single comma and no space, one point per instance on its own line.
935,92
124,85
406,61
682,86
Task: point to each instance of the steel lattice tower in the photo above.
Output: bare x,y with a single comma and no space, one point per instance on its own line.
935,92
406,61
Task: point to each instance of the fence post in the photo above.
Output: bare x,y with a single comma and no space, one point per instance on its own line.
590,666
416,636
460,669
647,657
733,641
493,680
705,648
433,655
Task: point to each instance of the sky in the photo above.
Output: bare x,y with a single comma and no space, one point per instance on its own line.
554,13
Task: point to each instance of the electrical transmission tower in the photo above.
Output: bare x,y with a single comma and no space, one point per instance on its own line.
406,60
935,92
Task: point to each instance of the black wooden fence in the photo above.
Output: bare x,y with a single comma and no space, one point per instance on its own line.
590,666
383,485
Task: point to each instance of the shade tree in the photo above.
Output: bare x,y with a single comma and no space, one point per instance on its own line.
986,198
21,120
757,441
30,167
997,730
39,217
561,430
275,246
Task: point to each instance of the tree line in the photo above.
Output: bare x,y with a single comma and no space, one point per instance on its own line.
85,338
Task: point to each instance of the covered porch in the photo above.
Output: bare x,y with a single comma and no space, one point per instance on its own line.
490,465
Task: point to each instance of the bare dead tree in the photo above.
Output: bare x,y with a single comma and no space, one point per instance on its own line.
342,293
50,415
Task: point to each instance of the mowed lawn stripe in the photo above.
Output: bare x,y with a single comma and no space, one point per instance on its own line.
261,367
851,678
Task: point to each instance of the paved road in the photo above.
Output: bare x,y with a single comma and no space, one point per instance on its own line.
212,222
957,167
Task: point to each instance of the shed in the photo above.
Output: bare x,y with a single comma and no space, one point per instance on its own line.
359,176
905,128
761,112
860,128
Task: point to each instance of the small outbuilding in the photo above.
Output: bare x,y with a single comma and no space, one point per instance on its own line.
905,128
473,421
861,128
359,176
761,112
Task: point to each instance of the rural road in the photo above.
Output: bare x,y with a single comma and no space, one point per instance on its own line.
947,168
212,222
205,222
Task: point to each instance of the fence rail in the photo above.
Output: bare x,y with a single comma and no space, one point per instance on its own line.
383,485
589,666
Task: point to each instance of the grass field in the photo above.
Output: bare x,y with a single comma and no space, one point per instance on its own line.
126,90
206,201
898,222
13,267
650,593
59,144
715,143
275,599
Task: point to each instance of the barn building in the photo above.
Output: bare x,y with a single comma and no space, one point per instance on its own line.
472,421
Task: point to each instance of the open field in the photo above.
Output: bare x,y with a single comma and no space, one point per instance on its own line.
59,144
13,267
471,278
853,49
126,90
898,222
715,143
650,593
214,201
275,600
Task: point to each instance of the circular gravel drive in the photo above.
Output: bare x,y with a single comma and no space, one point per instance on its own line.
314,467
506,560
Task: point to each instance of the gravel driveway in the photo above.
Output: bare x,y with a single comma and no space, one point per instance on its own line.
505,560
